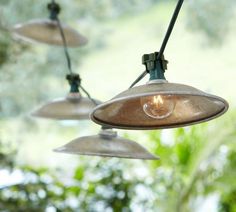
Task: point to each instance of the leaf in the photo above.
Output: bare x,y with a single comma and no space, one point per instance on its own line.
79,173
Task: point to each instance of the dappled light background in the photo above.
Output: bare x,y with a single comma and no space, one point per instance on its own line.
197,167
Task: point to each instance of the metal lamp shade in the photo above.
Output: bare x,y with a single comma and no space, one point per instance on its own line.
69,108
106,144
47,31
191,106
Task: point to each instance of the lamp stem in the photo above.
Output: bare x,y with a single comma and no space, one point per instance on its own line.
165,41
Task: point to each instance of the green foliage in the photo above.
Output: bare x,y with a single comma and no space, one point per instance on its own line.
100,184
195,165
192,165
228,202
103,185
35,194
7,156
3,51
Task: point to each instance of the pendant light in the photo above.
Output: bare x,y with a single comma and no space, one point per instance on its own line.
74,106
47,30
106,144
158,104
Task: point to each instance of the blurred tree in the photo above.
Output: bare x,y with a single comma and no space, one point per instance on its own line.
212,18
192,165
199,164
6,156
195,164
43,69
99,185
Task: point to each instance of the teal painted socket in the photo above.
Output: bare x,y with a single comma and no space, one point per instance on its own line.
74,88
157,72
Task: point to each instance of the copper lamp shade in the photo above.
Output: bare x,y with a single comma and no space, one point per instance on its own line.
73,107
187,106
159,104
106,144
47,31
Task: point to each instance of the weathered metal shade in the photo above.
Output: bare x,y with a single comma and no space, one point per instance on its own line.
73,107
187,106
106,144
47,31
159,104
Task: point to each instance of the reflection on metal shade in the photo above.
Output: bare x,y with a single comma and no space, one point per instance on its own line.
191,106
47,31
106,144
73,107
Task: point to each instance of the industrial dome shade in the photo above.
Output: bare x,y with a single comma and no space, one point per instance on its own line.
73,107
106,144
187,106
47,31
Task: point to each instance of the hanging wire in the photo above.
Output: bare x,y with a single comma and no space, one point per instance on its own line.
88,95
141,76
68,59
165,40
65,45
170,28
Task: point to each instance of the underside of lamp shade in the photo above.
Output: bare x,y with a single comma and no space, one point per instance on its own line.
106,147
66,109
47,31
191,106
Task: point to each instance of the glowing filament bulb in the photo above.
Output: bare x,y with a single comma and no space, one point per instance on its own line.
158,100
158,107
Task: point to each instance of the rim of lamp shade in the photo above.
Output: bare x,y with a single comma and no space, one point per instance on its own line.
47,31
72,107
106,144
192,106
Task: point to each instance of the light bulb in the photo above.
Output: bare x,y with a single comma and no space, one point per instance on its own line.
159,106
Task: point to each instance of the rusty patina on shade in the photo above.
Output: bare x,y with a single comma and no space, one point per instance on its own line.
73,107
106,144
47,31
192,106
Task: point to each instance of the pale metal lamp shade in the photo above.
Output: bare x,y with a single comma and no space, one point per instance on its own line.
47,31
106,144
182,105
73,107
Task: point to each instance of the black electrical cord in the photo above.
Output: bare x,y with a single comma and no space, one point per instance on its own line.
166,38
170,28
141,76
54,11
64,45
68,55
88,95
